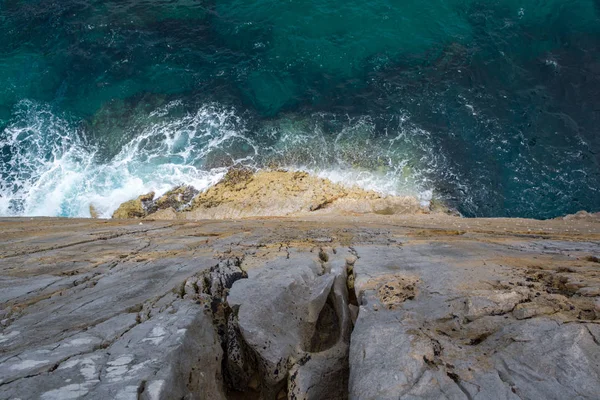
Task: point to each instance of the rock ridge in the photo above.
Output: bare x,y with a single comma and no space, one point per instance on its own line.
244,193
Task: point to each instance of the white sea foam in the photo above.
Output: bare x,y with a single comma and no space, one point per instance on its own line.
54,171
392,162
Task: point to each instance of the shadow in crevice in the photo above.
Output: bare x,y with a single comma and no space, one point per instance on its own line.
327,329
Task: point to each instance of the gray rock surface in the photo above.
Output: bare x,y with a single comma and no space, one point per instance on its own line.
340,308
464,337
292,312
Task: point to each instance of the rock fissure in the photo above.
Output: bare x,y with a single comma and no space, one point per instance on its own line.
458,382
277,315
302,356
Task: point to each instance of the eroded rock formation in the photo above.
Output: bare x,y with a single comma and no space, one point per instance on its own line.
244,193
373,307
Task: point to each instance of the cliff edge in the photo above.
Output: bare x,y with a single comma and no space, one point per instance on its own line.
317,307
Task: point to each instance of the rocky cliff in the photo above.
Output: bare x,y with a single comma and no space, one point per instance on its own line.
243,193
318,307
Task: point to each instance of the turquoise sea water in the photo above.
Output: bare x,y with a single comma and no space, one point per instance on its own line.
490,106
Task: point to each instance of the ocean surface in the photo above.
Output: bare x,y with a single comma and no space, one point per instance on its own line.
491,106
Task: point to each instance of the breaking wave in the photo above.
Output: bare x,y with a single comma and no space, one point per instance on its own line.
51,168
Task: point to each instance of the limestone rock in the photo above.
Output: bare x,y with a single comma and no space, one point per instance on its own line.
323,374
136,208
589,291
313,308
529,310
293,343
120,332
280,331
492,303
164,214
177,199
458,337
278,193
244,193
164,207
582,215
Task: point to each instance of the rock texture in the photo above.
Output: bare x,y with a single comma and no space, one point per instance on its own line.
370,307
280,193
136,208
244,193
164,207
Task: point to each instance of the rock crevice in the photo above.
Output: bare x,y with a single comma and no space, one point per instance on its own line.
298,309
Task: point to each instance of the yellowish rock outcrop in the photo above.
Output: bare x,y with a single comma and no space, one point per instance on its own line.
133,208
243,193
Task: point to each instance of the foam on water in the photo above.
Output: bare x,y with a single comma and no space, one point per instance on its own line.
51,169
492,105
387,155
382,183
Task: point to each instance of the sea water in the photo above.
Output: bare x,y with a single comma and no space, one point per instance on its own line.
492,107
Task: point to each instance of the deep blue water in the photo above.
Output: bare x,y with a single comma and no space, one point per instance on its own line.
490,106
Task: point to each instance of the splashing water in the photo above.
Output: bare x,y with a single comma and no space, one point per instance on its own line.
53,170
491,107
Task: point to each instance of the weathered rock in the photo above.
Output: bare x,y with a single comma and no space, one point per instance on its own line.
304,319
447,308
93,340
582,215
497,302
136,208
589,291
457,338
176,199
164,214
323,374
243,193
162,208
528,310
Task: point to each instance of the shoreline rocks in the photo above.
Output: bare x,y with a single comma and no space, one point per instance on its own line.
136,208
175,200
243,193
